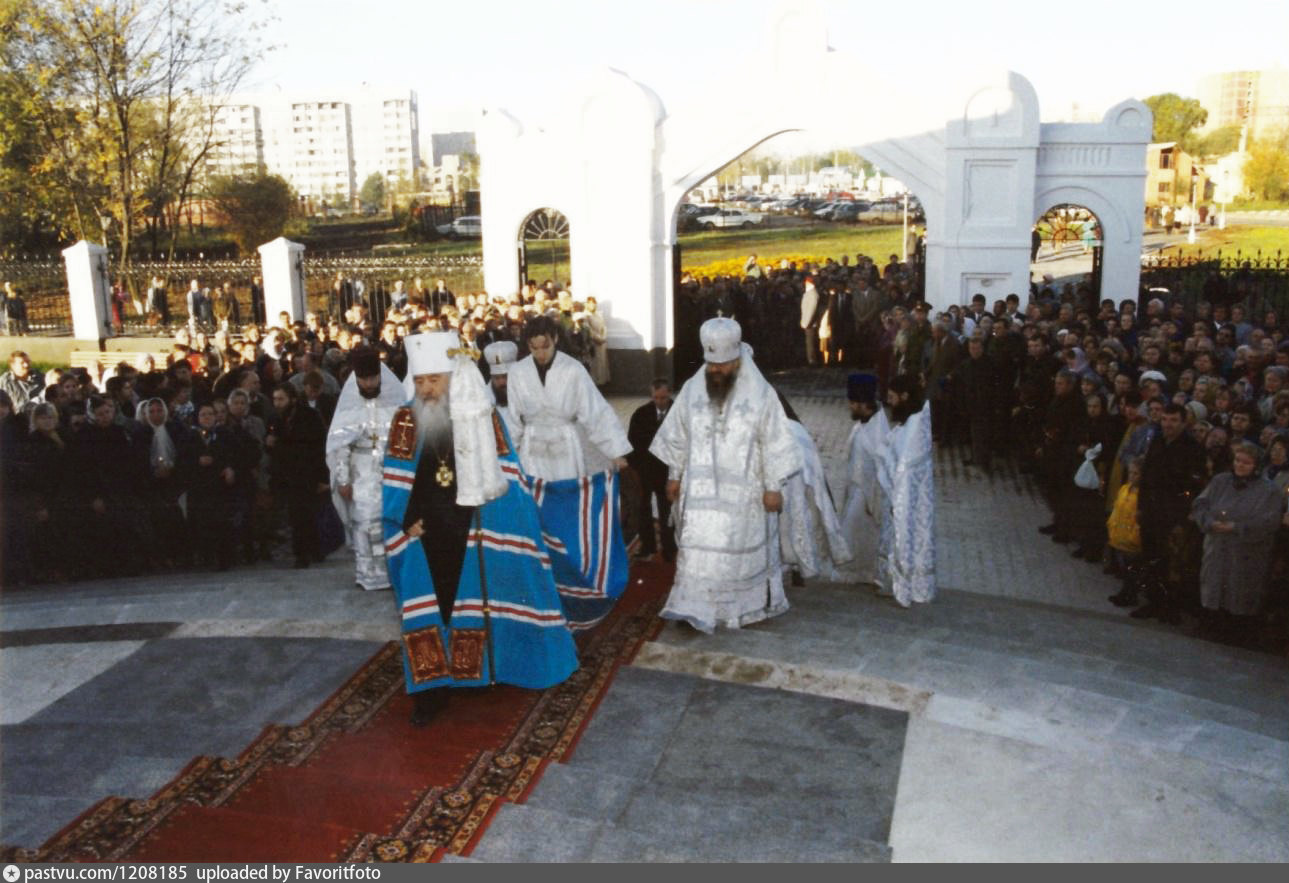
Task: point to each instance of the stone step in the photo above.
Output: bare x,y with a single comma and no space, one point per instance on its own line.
997,677
869,635
1075,712
1110,634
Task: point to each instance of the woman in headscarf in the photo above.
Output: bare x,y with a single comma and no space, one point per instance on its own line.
1239,513
207,463
1088,506
162,437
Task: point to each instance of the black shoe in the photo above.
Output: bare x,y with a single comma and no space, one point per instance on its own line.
1170,616
1047,529
428,705
797,581
1062,538
301,563
967,461
1078,553
1123,599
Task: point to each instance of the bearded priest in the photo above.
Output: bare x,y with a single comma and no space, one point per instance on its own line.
355,452
729,451
463,542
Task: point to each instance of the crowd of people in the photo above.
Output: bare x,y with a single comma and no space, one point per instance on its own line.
1156,428
209,456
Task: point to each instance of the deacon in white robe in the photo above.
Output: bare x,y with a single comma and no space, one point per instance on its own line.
906,550
500,356
355,451
810,536
729,452
862,501
566,428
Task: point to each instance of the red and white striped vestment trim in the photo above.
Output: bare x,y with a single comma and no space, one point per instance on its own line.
506,542
421,605
510,610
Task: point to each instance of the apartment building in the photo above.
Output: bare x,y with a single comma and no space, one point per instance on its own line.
1258,98
325,145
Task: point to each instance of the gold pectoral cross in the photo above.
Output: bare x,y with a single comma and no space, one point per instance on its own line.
444,475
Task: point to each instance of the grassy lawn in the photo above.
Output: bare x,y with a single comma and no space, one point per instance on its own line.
771,243
1246,240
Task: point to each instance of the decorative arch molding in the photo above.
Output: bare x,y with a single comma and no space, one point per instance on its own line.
618,164
1114,226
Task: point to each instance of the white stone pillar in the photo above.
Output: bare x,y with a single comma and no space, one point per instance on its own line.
283,264
89,290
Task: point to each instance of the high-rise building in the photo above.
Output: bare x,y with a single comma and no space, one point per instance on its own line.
324,145
1258,98
238,145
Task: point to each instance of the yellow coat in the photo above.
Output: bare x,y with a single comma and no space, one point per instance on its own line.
1125,533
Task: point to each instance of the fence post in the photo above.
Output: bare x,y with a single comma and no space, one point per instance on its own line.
89,291
283,264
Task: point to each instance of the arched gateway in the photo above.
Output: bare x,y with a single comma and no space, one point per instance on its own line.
621,164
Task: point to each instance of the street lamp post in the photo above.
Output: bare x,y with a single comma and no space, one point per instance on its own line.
904,240
1190,235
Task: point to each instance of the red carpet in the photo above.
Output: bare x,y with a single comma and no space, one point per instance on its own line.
356,781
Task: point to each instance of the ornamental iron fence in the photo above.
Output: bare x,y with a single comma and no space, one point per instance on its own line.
1260,280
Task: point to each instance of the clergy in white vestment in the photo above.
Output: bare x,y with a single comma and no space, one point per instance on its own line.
862,503
566,428
729,452
811,541
906,549
500,356
355,451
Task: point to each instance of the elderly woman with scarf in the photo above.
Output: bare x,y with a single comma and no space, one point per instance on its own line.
207,461
163,437
1239,513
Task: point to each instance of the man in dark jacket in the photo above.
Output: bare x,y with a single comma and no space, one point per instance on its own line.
652,471
1172,475
1058,457
297,446
976,385
944,354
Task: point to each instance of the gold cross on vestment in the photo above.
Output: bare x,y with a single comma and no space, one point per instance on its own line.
444,475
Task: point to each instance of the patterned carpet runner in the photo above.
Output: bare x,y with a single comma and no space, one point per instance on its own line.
356,781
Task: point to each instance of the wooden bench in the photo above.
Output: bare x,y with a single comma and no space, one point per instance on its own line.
87,358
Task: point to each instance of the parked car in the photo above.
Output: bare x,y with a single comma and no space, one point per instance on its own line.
728,217
465,227
884,211
807,207
847,211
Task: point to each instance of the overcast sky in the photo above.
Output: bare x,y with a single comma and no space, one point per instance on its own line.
463,55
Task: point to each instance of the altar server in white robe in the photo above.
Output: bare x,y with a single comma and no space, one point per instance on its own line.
500,356
862,501
355,451
906,550
566,428
811,541
729,452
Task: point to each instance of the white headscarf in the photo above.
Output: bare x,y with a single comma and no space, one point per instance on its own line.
163,447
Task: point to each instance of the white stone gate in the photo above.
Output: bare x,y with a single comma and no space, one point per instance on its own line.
620,166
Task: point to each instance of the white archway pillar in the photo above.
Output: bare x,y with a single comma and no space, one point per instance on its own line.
281,263
88,290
